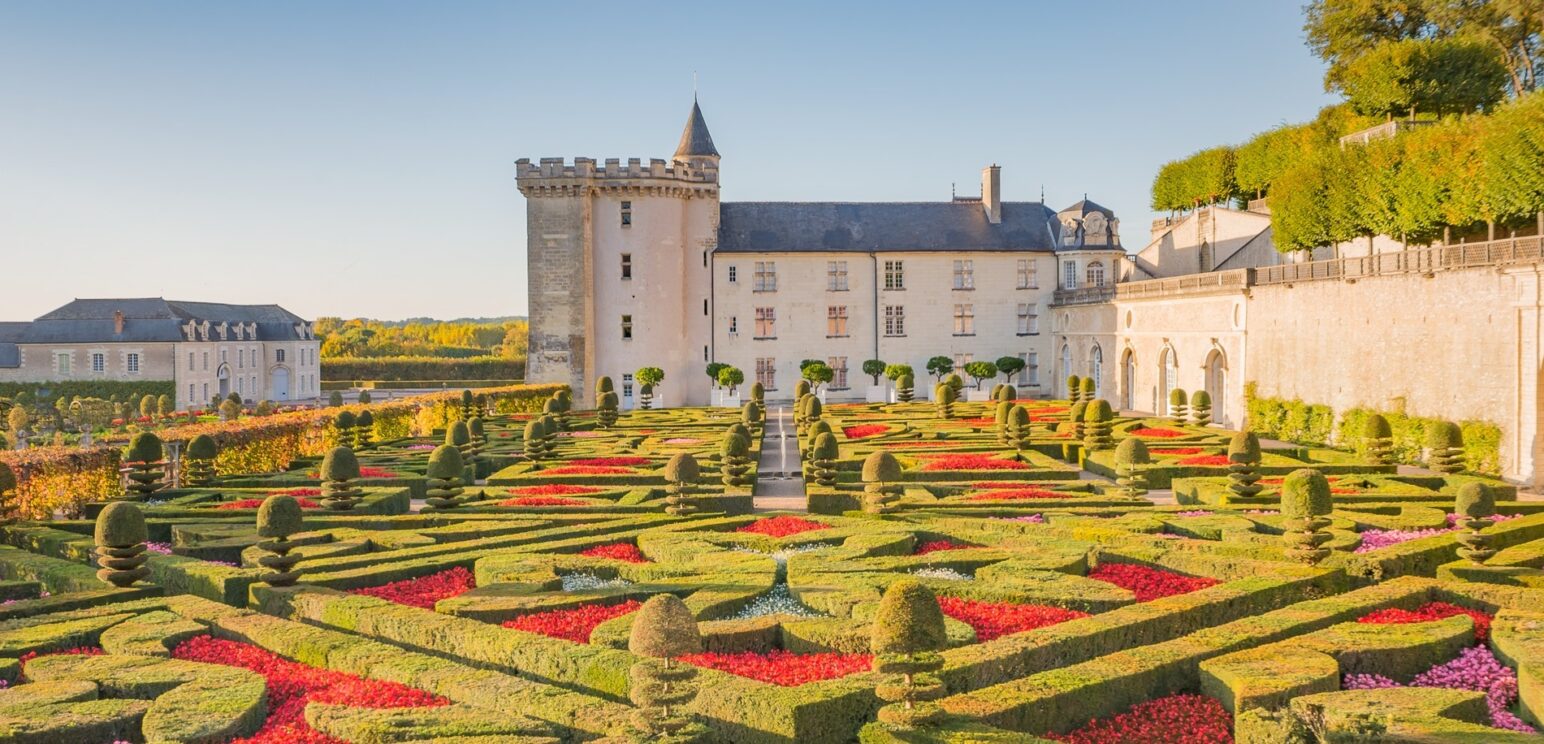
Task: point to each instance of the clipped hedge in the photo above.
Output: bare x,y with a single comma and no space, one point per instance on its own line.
417,369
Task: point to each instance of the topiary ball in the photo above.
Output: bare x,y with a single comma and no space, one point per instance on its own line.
751,412
1305,494
476,428
1098,411
121,524
1132,451
905,382
738,429
820,427
1444,435
344,421
1244,447
364,420
1177,397
533,430
734,446
340,464
603,386
1475,501
445,463
202,447
609,400
682,468
881,467
825,447
664,629
908,621
144,447
1377,427
279,516
1018,416
458,435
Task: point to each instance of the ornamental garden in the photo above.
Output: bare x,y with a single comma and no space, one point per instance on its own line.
506,568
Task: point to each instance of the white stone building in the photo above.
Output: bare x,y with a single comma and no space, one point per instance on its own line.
638,264
260,352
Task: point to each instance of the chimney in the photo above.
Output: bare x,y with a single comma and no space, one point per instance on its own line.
992,193
118,322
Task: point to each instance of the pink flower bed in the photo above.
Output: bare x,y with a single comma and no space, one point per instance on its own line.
1149,583
425,590
1477,669
682,440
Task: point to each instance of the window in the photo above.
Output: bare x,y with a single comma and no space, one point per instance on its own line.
1027,278
627,385
836,321
132,363
241,358
838,367
241,386
766,322
1030,375
836,276
190,393
895,275
766,277
224,356
895,320
704,306
62,362
278,356
733,275
98,361
1029,319
190,369
960,360
1069,275
205,389
964,320
965,274
766,372
206,361
627,327
734,325
627,214
627,265
1095,274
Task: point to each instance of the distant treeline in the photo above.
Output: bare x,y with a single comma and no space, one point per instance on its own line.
427,369
457,339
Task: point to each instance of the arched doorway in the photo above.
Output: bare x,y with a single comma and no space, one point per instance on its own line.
280,379
1066,367
1096,370
1128,380
223,374
1170,372
1217,385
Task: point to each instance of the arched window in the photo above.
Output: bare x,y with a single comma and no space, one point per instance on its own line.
1096,369
1095,273
1170,379
1066,365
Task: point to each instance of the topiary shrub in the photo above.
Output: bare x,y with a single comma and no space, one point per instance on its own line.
144,465
645,397
824,453
603,385
344,423
1131,462
1444,447
1075,414
1201,408
734,451
1000,420
680,474
120,544
1074,388
881,476
1098,420
1017,429
479,432
364,430
277,519
663,631
1475,504
606,409
198,469
1007,392
1377,439
1306,504
905,388
759,393
752,415
364,397
944,398
1177,408
908,634
1244,465
340,468
534,443
801,389
565,404
445,478
1087,389
230,410
334,399
955,381
468,404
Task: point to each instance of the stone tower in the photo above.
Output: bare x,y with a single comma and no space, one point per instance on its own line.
618,267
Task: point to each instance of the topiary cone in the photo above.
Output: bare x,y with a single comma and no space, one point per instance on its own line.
1445,447
734,451
880,471
906,637
825,453
444,478
364,430
339,469
145,466
1378,440
1201,408
1306,503
681,473
1098,420
1475,504
1131,461
1244,465
120,544
279,517
198,465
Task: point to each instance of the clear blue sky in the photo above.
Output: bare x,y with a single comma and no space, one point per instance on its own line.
356,159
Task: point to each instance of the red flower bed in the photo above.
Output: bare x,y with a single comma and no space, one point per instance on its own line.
297,492
1180,719
587,470
1208,460
782,526
997,619
292,686
255,503
423,591
920,443
610,462
1149,583
574,624
1175,451
554,489
983,421
864,430
365,472
1427,613
972,462
1017,494
1000,484
1158,433
934,546
784,668
541,501
621,551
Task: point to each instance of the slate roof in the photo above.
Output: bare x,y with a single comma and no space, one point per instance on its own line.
695,139
149,319
1085,206
773,227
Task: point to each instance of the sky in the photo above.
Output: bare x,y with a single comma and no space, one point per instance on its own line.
356,159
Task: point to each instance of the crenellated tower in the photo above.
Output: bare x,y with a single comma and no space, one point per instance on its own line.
618,269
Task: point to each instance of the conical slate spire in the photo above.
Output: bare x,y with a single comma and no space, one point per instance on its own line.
695,140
